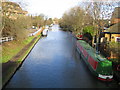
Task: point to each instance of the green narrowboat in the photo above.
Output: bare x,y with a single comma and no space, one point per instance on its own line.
98,64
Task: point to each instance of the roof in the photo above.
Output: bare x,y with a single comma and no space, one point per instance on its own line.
115,28
116,13
12,7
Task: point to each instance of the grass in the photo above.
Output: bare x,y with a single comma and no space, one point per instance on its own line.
10,49
12,69
22,57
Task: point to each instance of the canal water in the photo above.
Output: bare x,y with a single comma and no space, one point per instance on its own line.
55,63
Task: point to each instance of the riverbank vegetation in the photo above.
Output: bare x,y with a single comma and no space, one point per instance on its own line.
10,49
10,67
17,24
91,19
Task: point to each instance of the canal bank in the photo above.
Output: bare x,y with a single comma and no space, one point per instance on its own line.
55,63
10,68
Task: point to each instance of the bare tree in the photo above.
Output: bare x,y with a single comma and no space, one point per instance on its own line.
14,20
101,13
38,21
72,19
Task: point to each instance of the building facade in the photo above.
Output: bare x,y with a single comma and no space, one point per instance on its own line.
113,33
12,10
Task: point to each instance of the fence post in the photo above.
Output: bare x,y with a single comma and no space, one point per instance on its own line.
11,38
6,39
0,40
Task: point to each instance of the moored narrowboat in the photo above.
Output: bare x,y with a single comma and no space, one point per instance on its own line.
98,64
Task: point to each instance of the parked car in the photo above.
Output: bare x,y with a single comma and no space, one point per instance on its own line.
45,32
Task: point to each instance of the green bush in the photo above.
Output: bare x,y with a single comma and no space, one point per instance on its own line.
89,29
114,46
115,49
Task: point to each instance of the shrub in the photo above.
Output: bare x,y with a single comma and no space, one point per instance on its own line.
89,29
14,27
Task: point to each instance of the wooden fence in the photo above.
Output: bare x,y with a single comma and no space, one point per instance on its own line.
6,39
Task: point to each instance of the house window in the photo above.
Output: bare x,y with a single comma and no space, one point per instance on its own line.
112,37
117,39
106,38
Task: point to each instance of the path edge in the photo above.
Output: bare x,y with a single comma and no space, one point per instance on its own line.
27,52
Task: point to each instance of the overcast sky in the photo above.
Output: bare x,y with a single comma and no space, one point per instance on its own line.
50,8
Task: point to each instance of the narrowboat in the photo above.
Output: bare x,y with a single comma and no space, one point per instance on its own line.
79,36
98,64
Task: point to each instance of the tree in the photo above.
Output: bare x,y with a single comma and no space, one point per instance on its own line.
15,28
76,19
49,21
38,21
89,29
72,20
101,13
14,21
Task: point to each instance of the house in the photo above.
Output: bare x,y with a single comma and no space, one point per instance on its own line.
112,34
115,15
12,10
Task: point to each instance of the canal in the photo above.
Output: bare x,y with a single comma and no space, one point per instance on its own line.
55,63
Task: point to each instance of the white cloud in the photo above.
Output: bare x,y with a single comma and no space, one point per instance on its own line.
52,8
